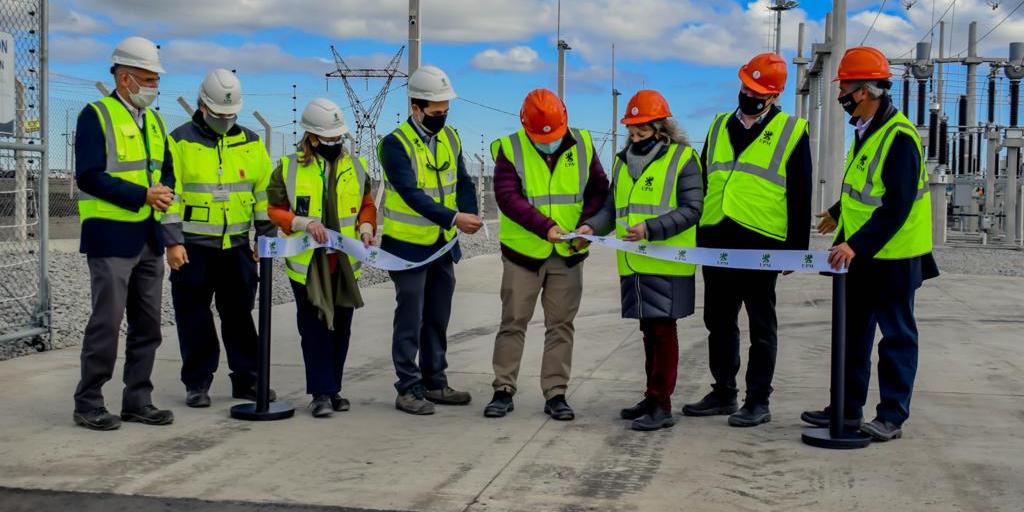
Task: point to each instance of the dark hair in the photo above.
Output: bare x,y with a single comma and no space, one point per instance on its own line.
421,103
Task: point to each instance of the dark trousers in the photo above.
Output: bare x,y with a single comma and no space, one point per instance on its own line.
725,290
120,285
661,348
424,303
893,314
228,279
323,350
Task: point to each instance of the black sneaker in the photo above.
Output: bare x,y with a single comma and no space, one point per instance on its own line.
197,398
249,393
641,408
559,409
97,419
750,415
712,404
340,404
149,415
501,404
656,419
882,430
823,419
321,406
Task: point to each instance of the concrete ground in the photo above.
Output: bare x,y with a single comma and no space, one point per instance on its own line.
962,449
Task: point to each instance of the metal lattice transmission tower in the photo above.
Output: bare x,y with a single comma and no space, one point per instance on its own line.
367,113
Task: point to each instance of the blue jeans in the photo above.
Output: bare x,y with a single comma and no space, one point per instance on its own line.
893,314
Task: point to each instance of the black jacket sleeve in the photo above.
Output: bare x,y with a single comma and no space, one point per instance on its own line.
900,174
465,192
91,166
798,195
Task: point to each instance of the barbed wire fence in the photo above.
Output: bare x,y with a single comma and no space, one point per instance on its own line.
24,286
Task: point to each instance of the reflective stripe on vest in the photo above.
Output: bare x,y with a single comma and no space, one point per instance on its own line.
136,158
863,189
750,188
557,194
309,178
436,176
653,193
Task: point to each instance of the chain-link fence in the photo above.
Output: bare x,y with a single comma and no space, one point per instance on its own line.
24,297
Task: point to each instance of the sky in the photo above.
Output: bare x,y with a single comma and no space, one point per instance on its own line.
494,51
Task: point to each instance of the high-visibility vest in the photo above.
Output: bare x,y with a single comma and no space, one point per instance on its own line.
557,194
221,186
131,156
750,188
651,195
436,175
863,189
305,184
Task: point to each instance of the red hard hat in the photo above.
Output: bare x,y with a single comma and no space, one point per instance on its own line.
863,63
646,106
764,74
544,116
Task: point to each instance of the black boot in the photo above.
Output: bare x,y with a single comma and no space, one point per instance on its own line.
658,418
641,408
559,409
197,398
713,404
321,406
501,404
340,404
97,419
148,415
823,419
751,415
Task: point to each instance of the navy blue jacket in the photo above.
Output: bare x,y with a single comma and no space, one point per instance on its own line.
899,175
402,179
106,238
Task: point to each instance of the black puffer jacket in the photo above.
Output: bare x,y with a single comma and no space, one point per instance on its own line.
651,295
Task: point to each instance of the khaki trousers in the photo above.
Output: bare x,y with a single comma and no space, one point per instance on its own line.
560,288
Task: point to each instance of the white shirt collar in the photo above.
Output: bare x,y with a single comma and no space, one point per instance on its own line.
760,118
862,126
135,112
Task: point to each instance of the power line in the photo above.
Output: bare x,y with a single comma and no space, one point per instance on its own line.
467,100
931,31
1019,4
872,27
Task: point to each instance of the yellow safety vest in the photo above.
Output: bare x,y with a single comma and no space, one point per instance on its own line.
306,183
131,156
653,194
436,176
750,188
557,194
221,186
863,189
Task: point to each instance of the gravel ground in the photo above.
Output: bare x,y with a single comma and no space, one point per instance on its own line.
70,282
69,278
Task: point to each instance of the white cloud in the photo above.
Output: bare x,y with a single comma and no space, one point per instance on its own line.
77,49
518,58
191,56
68,21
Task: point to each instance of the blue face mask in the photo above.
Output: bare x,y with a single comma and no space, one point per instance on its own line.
548,148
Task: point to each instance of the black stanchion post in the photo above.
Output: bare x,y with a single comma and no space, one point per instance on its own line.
837,436
263,409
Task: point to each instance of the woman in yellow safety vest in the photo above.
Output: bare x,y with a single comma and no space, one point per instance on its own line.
318,188
657,197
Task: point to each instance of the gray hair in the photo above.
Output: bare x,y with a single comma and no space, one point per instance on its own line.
874,88
668,130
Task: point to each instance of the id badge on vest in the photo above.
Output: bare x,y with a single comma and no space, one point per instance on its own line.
221,194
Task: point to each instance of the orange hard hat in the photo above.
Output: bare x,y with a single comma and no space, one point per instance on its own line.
544,116
863,63
646,106
764,74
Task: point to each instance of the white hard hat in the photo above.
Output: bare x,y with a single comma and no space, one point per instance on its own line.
431,84
221,92
323,117
137,52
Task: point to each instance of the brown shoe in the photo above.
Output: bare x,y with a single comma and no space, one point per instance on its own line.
448,396
412,402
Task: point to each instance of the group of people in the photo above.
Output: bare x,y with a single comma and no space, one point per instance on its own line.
202,191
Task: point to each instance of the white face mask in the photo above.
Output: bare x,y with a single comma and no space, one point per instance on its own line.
548,148
144,97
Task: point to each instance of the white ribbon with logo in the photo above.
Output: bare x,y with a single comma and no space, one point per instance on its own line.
277,247
751,259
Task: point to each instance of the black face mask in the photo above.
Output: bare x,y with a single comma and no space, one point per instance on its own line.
644,146
848,103
329,153
434,124
752,106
